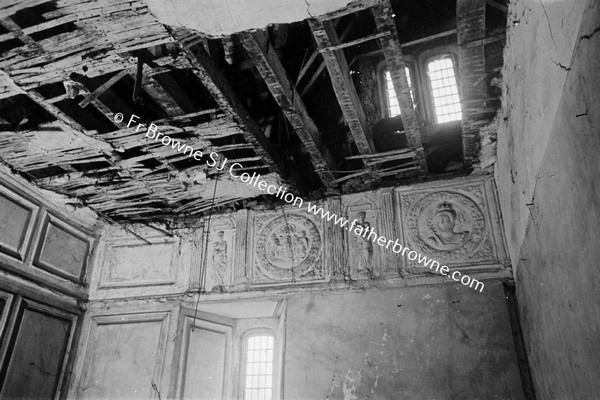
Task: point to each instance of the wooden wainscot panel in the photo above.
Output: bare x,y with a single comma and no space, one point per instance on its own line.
36,351
63,250
17,219
287,247
455,222
124,356
131,263
6,300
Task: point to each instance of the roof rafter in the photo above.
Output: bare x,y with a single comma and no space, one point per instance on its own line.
269,66
216,83
326,36
390,44
470,23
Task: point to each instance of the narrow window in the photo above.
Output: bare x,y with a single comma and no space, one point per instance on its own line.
444,90
392,100
258,383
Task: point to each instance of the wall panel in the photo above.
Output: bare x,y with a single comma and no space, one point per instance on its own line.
124,356
17,216
62,250
36,353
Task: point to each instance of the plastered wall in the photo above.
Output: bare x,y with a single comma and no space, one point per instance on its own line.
342,331
547,172
436,342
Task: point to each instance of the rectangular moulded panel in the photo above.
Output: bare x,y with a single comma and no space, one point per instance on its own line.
17,217
62,250
6,300
124,356
37,351
206,358
131,264
204,363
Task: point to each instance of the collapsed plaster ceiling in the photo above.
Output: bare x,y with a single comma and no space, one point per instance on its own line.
225,17
290,102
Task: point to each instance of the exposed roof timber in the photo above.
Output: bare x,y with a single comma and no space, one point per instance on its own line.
176,92
8,87
105,111
382,12
104,29
321,66
216,83
10,7
267,62
355,42
470,22
497,6
343,86
306,67
158,93
54,111
15,30
103,88
429,38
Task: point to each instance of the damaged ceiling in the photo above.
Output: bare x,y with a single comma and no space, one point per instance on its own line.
290,101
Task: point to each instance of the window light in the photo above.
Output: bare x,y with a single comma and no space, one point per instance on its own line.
258,381
392,100
446,101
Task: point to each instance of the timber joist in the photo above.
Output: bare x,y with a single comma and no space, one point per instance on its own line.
84,61
339,72
470,22
267,62
215,82
392,51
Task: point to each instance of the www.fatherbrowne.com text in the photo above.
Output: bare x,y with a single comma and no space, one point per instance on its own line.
220,163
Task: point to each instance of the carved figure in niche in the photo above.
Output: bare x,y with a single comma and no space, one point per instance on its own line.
443,227
219,260
364,245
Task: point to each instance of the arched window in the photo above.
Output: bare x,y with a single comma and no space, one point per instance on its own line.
442,78
258,366
393,108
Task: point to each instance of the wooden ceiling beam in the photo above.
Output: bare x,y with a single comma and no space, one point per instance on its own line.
470,23
497,6
176,92
321,66
54,111
263,55
392,51
216,83
343,86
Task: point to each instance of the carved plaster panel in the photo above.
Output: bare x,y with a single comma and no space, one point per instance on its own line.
286,248
455,223
372,211
132,263
220,252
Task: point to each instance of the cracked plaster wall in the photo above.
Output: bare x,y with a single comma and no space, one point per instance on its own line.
547,176
435,342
